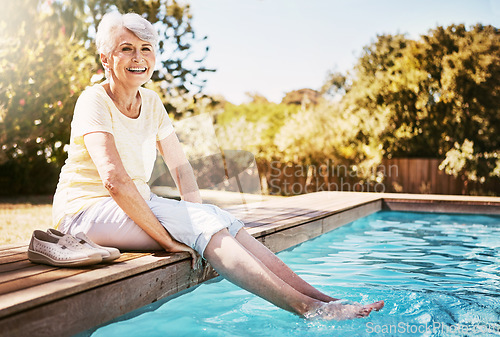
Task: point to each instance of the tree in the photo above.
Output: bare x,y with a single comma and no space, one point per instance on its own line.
367,98
470,78
42,68
264,120
47,57
432,97
303,97
335,86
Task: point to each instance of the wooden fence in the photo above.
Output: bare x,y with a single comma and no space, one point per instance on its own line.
419,175
403,175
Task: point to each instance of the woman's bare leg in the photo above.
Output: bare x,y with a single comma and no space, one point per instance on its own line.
238,265
279,268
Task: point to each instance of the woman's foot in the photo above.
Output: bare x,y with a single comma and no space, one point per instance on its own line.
340,310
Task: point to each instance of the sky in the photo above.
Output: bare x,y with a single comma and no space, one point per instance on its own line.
271,47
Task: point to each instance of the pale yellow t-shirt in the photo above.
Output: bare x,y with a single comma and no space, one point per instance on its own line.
79,183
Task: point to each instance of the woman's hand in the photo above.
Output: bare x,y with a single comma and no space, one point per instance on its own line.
176,247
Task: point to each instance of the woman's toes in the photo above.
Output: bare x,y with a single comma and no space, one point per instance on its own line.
377,305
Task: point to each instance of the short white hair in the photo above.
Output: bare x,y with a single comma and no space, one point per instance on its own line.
111,22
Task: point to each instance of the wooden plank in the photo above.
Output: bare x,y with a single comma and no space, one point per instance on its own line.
5,267
83,280
283,223
398,182
45,274
278,209
423,186
85,310
443,182
13,257
272,207
284,238
13,250
12,246
17,274
414,178
9,269
341,206
433,175
27,270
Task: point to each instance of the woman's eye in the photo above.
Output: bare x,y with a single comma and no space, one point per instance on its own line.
127,49
146,49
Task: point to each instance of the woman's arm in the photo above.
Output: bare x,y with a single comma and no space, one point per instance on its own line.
102,149
180,168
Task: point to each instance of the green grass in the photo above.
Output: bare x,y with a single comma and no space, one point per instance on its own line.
21,215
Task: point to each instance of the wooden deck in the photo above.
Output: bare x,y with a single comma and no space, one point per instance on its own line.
37,300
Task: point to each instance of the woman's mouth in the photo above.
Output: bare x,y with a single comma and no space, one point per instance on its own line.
137,69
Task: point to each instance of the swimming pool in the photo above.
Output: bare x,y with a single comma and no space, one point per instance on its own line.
439,275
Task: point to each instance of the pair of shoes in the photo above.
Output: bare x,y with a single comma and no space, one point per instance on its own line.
107,253
65,251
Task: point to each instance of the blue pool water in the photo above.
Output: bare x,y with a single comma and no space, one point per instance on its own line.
439,275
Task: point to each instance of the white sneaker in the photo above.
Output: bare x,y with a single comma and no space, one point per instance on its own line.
65,251
113,253
107,253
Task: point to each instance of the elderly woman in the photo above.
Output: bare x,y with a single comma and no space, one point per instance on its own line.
103,192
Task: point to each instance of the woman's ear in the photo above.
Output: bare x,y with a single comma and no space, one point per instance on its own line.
105,61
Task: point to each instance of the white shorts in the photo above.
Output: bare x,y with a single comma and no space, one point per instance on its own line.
193,224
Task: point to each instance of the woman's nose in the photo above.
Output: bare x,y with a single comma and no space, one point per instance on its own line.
137,57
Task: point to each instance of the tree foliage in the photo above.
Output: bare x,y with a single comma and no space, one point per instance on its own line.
303,97
253,126
47,57
43,67
437,96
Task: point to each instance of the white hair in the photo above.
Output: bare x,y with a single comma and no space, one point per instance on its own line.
142,28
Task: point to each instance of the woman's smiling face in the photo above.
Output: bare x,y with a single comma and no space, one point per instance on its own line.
132,61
